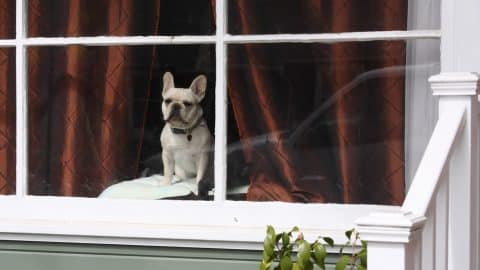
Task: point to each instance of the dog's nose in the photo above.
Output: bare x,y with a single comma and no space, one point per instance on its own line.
176,107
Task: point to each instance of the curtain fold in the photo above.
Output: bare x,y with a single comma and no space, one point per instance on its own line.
82,141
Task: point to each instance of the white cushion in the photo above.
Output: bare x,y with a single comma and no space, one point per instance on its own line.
149,188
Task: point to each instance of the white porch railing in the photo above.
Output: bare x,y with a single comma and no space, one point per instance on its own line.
437,225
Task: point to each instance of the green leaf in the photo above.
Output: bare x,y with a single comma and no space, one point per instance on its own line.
295,229
265,265
329,241
278,237
319,255
296,267
271,233
342,262
286,263
363,257
269,244
348,234
303,254
268,251
364,244
285,239
308,265
360,267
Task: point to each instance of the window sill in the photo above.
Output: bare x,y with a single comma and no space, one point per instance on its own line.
226,225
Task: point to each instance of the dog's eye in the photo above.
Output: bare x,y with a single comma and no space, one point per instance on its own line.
188,104
167,101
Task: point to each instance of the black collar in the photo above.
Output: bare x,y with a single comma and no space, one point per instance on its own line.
187,131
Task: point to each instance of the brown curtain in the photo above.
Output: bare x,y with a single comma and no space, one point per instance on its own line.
94,111
322,140
358,157
79,129
7,100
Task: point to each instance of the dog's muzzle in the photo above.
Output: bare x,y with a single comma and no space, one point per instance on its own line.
175,114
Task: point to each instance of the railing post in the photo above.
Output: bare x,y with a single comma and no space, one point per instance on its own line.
392,240
454,90
446,183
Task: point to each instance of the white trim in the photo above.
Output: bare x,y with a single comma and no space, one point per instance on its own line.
459,48
428,240
220,160
394,226
434,160
392,240
238,225
5,43
21,102
112,40
231,39
454,84
448,46
334,37
441,223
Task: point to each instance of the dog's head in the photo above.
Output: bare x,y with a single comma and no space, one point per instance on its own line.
181,106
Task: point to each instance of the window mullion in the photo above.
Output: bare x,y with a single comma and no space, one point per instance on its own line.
21,100
333,37
118,40
220,160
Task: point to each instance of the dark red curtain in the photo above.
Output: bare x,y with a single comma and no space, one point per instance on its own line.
342,144
94,112
305,134
79,128
7,100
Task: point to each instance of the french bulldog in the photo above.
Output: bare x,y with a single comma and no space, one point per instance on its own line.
186,140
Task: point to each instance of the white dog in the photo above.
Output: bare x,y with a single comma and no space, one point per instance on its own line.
186,140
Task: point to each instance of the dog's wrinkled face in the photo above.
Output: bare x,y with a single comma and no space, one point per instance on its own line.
181,106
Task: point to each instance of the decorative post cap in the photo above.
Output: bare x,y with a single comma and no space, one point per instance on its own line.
454,84
393,227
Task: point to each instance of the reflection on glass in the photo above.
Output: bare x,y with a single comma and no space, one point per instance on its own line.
7,121
48,18
7,19
317,122
95,116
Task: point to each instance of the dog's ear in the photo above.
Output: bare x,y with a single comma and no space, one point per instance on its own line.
199,86
167,82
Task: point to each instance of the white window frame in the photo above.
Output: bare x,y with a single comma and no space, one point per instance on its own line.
212,224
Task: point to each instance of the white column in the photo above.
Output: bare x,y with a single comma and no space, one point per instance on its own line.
21,100
220,154
460,44
393,240
455,90
460,53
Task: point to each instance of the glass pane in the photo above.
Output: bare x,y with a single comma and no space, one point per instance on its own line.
330,16
120,17
95,119
423,57
7,121
320,122
7,19
424,14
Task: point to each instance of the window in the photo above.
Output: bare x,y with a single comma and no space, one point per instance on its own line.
282,95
